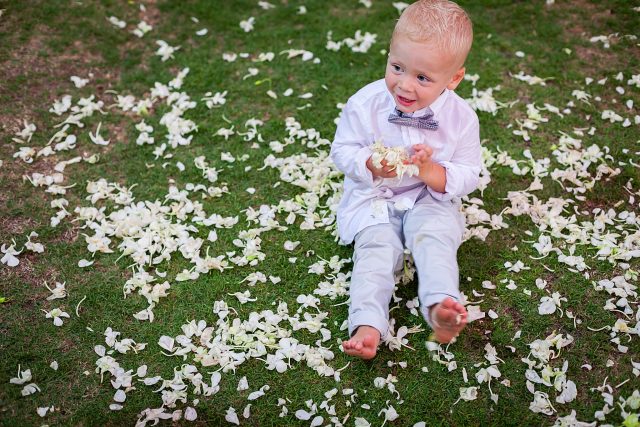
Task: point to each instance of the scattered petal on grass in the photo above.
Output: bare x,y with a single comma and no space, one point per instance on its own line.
243,384
468,393
232,417
60,291
9,258
42,411
57,315
84,263
79,82
120,396
22,377
165,51
247,24
166,343
141,29
190,414
400,6
78,306
29,389
290,246
117,22
259,393
303,415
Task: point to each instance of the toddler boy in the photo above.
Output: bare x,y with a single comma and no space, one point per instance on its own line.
414,106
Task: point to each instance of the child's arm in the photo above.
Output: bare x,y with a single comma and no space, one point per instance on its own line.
351,149
458,176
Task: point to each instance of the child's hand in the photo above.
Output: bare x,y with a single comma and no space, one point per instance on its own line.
385,172
422,159
422,155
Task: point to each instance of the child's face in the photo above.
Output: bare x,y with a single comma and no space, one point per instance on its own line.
417,73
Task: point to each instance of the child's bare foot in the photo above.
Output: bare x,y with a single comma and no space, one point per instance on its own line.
448,318
364,343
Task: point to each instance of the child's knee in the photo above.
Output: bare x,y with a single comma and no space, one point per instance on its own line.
380,248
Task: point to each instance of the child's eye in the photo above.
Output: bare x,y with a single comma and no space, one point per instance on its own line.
396,68
423,79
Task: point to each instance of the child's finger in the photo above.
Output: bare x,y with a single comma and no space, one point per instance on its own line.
422,148
419,157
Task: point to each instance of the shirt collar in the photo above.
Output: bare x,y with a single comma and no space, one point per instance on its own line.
435,106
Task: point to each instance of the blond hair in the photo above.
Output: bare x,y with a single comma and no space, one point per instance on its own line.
441,22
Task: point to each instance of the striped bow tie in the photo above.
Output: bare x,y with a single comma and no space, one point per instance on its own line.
422,122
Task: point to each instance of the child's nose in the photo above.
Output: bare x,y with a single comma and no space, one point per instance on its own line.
405,83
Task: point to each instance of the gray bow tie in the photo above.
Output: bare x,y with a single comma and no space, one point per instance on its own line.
422,122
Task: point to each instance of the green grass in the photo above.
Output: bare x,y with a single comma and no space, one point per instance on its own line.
50,41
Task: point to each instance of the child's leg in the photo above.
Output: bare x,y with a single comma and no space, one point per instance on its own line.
433,231
378,254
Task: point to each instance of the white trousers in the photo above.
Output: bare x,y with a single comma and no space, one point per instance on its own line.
432,230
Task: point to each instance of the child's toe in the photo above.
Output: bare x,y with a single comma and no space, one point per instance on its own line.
448,303
369,341
449,316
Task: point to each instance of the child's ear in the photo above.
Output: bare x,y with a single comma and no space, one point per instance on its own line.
456,79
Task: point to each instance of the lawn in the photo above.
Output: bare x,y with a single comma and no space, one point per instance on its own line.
172,159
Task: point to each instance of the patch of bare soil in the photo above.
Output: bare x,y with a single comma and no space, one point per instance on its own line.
70,235
574,17
15,226
149,13
25,273
15,190
12,226
34,75
47,73
41,75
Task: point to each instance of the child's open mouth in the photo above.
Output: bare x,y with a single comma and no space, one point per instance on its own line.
404,101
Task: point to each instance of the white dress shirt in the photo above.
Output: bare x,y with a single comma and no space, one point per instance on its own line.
364,121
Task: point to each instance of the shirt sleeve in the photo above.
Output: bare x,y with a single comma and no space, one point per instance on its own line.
463,170
351,146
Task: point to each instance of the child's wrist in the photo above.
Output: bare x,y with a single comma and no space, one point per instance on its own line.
426,171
